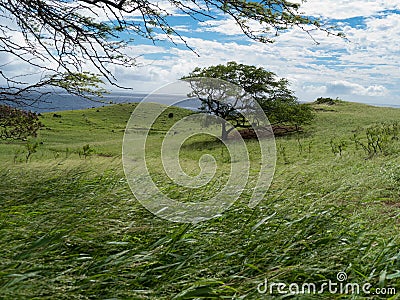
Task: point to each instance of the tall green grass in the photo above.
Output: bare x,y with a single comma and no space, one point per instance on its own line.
71,229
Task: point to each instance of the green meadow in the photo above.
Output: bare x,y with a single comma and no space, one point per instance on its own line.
70,227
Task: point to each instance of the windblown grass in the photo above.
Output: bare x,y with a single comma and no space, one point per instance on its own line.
71,229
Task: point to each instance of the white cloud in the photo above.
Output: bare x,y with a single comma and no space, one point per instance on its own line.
345,9
365,69
314,70
227,26
342,87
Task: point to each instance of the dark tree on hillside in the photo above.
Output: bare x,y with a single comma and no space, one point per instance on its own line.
61,40
225,101
17,124
272,93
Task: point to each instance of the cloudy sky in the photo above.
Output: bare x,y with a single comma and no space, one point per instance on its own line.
364,68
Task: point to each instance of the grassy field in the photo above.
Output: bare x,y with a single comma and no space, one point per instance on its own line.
70,227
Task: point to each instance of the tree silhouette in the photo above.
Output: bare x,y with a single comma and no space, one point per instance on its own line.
237,83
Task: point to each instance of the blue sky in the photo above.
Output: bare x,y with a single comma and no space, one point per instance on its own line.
364,69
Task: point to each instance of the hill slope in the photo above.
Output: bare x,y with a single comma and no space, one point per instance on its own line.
71,228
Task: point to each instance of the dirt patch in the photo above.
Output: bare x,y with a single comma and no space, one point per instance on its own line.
250,133
324,109
283,130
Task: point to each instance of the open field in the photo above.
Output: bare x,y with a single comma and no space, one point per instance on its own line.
70,227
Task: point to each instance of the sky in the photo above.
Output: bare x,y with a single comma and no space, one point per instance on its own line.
365,67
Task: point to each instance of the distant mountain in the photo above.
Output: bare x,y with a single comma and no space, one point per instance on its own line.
63,101
192,104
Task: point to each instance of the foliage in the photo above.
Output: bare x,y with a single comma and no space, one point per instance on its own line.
17,124
272,93
31,148
374,139
86,151
338,146
63,38
289,113
378,138
327,100
223,101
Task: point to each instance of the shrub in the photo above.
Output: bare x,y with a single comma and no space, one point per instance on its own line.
378,138
327,100
86,151
338,146
17,124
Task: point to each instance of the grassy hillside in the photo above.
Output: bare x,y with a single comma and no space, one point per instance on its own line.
70,227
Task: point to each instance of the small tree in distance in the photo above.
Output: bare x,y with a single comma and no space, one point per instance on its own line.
272,93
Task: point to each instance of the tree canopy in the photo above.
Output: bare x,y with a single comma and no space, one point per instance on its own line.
223,103
61,40
17,124
272,93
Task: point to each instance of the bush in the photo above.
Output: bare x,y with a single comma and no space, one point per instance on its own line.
292,113
17,124
378,138
327,100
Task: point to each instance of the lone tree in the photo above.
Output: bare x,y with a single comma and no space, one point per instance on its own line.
272,94
223,102
61,40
